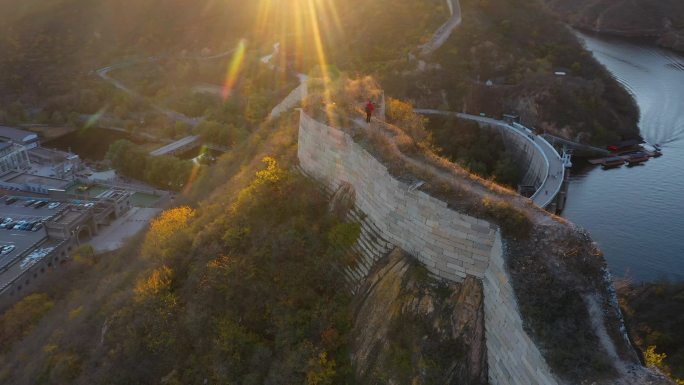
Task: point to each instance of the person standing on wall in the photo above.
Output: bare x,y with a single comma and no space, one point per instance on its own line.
370,107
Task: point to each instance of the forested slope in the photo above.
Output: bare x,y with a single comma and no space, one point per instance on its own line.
661,19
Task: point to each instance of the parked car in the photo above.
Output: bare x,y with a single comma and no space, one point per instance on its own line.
10,225
29,202
53,205
6,249
37,226
10,200
40,204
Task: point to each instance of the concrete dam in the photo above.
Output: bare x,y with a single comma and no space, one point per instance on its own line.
544,169
450,244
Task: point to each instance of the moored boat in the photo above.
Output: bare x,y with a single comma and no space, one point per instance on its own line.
637,158
613,162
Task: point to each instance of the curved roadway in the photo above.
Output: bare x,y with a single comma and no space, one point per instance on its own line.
555,166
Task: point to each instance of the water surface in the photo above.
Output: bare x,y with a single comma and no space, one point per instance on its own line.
637,214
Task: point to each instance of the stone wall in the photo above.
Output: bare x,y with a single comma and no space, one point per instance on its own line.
450,244
291,100
512,357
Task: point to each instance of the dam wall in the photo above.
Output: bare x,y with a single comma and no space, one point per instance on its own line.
450,245
528,157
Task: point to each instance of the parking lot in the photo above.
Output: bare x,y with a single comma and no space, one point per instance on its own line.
22,242
19,209
22,218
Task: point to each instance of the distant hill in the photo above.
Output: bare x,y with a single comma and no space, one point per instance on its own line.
662,19
48,46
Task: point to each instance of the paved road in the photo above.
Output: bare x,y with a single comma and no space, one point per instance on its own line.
555,165
135,220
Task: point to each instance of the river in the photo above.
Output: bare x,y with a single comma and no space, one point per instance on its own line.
637,214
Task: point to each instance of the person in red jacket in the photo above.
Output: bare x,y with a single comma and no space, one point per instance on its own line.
370,107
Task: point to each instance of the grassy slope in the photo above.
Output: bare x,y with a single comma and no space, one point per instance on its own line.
210,299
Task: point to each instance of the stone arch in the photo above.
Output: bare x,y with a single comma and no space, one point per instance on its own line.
83,234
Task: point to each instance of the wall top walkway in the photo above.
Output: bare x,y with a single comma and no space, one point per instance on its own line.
553,181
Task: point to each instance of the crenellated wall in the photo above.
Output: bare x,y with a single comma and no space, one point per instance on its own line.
450,244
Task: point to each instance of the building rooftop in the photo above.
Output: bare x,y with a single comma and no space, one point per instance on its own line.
16,135
23,178
51,156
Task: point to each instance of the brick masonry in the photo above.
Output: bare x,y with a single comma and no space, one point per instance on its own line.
450,244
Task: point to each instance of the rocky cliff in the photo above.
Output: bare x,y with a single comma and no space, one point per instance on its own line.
660,19
411,328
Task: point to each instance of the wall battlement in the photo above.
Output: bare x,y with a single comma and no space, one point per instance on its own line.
450,245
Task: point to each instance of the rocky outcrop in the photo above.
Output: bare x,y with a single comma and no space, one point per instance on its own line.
411,328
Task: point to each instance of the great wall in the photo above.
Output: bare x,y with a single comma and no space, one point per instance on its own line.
450,244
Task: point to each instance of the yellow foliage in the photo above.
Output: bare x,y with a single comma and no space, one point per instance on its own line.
321,371
401,114
269,175
20,319
272,173
75,312
654,358
165,228
157,282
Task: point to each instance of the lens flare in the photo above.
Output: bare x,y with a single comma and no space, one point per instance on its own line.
94,118
234,69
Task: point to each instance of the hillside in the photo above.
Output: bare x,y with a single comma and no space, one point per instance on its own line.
244,288
655,316
502,59
50,51
659,19
244,282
